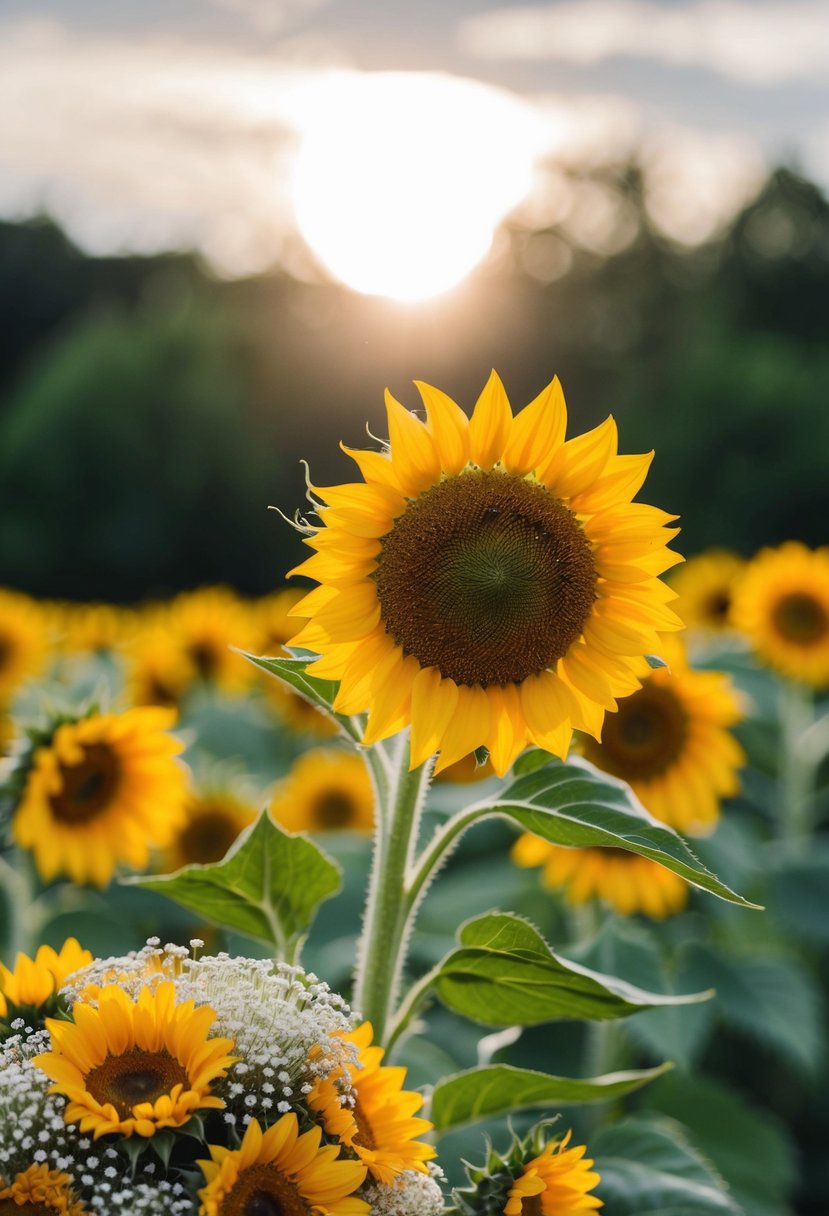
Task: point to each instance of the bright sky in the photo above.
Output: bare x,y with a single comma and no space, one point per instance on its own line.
394,137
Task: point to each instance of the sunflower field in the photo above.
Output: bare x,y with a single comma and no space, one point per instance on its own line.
477,869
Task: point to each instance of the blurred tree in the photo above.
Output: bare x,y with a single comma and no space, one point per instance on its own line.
128,465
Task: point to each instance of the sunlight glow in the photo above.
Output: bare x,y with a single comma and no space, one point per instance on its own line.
402,178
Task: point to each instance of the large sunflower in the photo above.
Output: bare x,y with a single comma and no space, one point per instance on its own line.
134,1067
39,1191
282,1172
488,583
671,742
782,604
377,1121
23,641
33,981
325,790
102,790
705,586
626,882
555,1183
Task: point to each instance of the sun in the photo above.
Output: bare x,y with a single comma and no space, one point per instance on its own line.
402,178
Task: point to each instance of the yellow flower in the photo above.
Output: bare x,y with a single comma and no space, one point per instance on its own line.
39,1191
705,586
95,628
23,641
34,981
102,791
671,742
488,583
325,790
213,822
158,670
133,1067
281,1172
274,624
556,1183
380,1125
782,604
206,624
627,882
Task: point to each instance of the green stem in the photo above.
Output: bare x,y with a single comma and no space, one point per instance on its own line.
796,772
382,952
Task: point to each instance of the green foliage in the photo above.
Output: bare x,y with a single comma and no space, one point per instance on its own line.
504,974
574,804
268,886
649,1167
499,1089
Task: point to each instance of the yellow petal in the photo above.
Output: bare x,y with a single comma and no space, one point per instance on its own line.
507,729
433,704
537,432
468,728
490,424
413,451
448,426
579,462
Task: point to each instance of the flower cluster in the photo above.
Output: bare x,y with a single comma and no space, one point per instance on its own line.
167,1081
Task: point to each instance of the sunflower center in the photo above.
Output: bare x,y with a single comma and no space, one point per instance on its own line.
801,618
531,1206
205,658
88,787
333,809
487,577
365,1135
261,1190
136,1076
159,692
645,737
718,606
10,1207
207,837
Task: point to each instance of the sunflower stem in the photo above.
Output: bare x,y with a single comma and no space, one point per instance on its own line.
382,951
796,772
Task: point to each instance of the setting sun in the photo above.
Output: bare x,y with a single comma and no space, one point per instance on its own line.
402,178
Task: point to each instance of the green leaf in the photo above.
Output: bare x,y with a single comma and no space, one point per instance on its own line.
648,1167
750,1148
505,974
485,1093
268,886
576,805
320,693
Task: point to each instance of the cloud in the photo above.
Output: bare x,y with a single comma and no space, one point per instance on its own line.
754,43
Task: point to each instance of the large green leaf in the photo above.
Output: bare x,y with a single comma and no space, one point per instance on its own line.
575,804
648,1167
505,974
498,1089
320,693
268,886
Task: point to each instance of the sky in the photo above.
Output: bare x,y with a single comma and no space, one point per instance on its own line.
186,123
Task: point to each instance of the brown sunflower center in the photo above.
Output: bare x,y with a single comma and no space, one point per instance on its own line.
333,809
204,656
136,1076
10,1207
365,1134
718,606
261,1190
487,577
645,737
801,618
88,787
531,1206
208,836
160,692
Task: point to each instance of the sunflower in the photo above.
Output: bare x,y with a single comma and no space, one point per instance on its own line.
671,742
380,1125
325,790
158,670
555,1183
35,980
95,628
23,641
782,604
134,1067
39,1191
206,624
282,1172
102,790
705,586
487,583
212,823
627,882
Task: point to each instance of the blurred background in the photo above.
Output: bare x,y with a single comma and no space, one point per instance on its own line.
227,225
